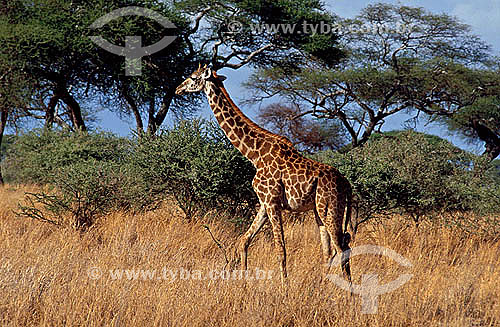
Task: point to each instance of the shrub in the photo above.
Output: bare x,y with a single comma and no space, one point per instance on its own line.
78,193
35,156
196,165
417,175
84,175
89,174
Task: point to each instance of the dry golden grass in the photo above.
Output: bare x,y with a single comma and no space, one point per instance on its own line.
44,275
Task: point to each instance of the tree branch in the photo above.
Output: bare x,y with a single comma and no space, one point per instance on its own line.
135,110
250,56
197,20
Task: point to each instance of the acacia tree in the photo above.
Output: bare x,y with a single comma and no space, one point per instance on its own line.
225,34
47,42
52,37
400,59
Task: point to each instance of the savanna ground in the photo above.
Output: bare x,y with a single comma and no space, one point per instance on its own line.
54,276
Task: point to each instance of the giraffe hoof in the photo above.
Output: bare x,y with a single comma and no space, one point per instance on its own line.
346,239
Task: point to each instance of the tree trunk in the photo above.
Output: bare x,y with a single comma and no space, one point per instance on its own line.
75,110
491,139
51,111
3,122
155,121
61,93
135,110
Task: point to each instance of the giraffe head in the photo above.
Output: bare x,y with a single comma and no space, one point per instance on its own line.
196,82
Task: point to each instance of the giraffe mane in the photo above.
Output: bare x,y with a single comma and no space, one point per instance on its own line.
247,120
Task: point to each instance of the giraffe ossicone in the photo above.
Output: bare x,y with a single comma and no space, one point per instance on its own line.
285,180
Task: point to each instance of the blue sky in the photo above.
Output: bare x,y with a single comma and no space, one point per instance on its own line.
483,16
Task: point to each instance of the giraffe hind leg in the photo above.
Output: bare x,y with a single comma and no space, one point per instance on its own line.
340,242
330,211
326,247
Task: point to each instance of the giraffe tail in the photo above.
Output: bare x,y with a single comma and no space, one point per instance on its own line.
348,228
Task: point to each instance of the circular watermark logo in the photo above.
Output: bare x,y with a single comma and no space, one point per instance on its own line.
234,26
133,50
370,289
94,273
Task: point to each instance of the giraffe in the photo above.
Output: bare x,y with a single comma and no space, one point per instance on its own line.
284,179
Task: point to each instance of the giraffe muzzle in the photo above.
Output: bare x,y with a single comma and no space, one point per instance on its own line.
179,90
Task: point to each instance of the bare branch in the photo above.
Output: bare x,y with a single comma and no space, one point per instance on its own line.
197,20
324,97
218,243
244,61
215,53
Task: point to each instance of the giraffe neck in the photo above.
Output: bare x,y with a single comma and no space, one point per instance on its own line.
243,133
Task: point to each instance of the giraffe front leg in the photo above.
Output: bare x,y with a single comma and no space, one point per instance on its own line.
274,214
247,238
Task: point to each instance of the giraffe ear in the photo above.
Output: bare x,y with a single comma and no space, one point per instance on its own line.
221,78
207,73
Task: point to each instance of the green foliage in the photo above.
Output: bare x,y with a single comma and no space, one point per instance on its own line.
294,13
487,109
196,165
278,25
479,121
36,156
86,175
50,40
417,175
83,175
7,141
495,170
400,59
